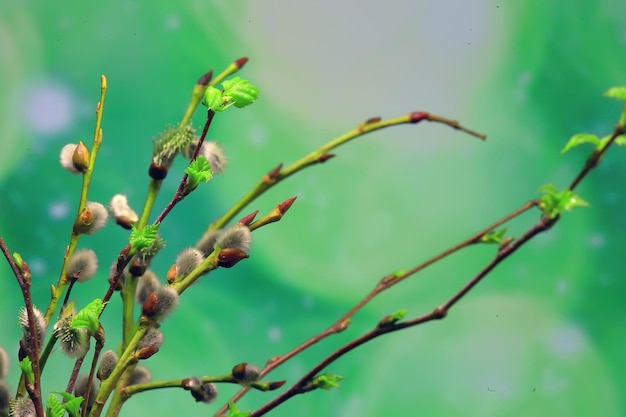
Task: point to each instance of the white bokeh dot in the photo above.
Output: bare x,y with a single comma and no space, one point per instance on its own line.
172,22
274,333
58,210
48,108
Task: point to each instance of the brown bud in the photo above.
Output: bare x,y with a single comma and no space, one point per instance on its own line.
147,352
137,267
228,257
191,383
125,222
83,221
149,308
371,120
276,384
205,79
246,220
418,116
241,62
171,274
80,157
285,205
325,157
157,172
272,176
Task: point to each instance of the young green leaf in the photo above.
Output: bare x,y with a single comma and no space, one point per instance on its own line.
240,92
326,381
213,99
54,408
493,237
553,203
233,411
579,139
27,368
198,171
616,92
88,316
392,318
143,239
71,404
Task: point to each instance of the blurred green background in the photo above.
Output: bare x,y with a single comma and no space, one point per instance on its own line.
545,334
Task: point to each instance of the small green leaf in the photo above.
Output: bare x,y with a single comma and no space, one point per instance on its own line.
17,258
326,381
54,408
392,318
399,273
553,203
88,316
240,92
143,239
579,139
233,411
493,237
620,140
214,99
27,368
616,92
71,404
199,170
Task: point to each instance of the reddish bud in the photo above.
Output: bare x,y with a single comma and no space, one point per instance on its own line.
171,274
147,352
246,220
157,172
206,78
276,384
418,116
137,268
285,205
191,383
371,120
325,157
149,308
241,62
229,257
272,176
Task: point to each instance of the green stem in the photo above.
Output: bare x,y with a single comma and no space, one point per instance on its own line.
128,304
127,359
131,390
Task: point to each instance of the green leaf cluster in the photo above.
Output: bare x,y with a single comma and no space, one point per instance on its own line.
599,144
553,202
144,238
493,237
236,92
88,316
326,381
199,170
70,403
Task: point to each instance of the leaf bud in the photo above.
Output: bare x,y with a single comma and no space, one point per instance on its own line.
80,157
229,257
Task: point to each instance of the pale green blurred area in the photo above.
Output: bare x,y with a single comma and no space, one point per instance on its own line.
543,335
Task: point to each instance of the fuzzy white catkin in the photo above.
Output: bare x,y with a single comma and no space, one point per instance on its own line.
22,407
237,236
168,300
215,155
65,158
100,215
146,285
207,242
152,338
40,326
80,389
83,264
140,375
5,396
187,261
120,208
107,363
